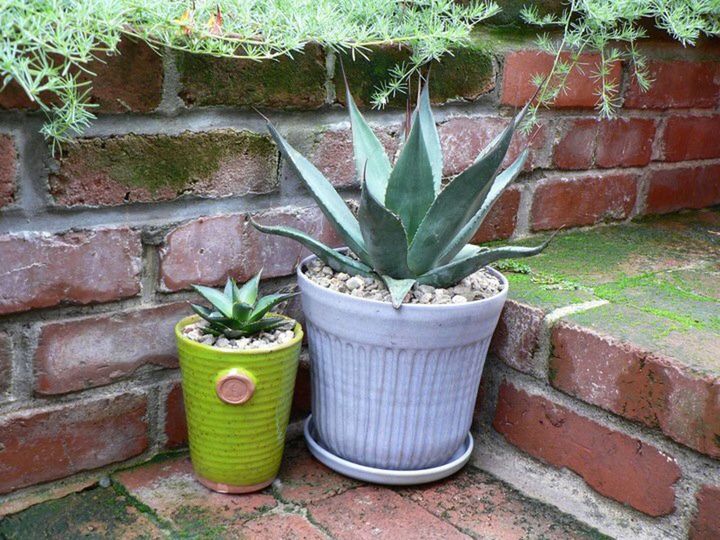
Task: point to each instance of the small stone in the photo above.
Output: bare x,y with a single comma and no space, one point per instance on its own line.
327,270
222,342
427,289
354,283
459,299
207,339
342,276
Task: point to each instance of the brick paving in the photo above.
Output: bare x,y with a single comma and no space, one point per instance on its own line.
308,501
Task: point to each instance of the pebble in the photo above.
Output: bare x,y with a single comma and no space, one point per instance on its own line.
263,340
354,282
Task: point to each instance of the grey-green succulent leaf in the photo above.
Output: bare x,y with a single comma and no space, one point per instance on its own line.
425,118
248,293
336,260
384,236
451,273
268,302
411,188
241,311
219,301
370,157
501,182
332,205
398,289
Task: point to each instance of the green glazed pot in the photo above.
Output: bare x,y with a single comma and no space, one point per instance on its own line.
237,405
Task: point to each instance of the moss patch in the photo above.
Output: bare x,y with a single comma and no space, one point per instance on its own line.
297,83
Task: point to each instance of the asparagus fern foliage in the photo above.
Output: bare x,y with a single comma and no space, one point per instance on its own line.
239,311
409,229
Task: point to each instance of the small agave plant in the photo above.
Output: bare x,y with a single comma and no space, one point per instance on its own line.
409,228
238,311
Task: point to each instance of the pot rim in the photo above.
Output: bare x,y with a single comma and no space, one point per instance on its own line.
185,321
503,281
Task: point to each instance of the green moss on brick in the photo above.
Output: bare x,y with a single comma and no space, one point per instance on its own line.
297,83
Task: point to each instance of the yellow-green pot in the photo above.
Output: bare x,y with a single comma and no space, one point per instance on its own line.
238,407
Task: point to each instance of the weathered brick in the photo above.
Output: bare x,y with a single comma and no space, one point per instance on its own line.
145,168
6,363
175,422
612,463
98,350
207,250
581,89
297,83
587,200
39,445
464,76
333,155
636,384
706,523
517,335
691,137
274,526
588,143
682,187
677,84
463,138
40,270
8,170
130,80
368,512
502,218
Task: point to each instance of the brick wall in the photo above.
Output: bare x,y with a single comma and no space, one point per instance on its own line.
99,244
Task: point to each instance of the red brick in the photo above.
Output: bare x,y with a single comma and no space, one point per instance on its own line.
40,445
147,168
691,137
517,335
612,463
176,434
683,187
93,351
573,202
129,81
677,84
638,385
169,488
706,523
305,480
373,512
333,155
207,250
41,270
582,88
8,170
502,218
6,356
285,526
623,142
463,139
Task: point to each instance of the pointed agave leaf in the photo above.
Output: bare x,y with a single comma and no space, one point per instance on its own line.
208,314
369,151
384,237
457,203
502,181
263,325
247,294
229,290
334,259
398,289
332,205
453,272
430,135
266,303
410,189
216,298
241,311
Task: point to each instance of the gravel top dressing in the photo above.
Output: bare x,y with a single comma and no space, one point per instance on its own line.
478,286
263,340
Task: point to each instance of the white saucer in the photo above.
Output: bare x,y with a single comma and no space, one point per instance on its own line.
386,476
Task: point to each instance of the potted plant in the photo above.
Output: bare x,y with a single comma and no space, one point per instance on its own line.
238,362
399,324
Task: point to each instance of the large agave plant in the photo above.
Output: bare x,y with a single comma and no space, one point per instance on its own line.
409,228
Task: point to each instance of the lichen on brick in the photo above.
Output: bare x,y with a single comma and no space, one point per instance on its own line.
142,168
297,83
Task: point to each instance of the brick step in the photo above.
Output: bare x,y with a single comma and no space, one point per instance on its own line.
307,501
606,363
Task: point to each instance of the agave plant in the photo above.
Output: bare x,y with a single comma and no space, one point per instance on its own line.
237,311
409,228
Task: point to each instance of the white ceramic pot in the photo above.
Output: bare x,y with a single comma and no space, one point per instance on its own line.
395,388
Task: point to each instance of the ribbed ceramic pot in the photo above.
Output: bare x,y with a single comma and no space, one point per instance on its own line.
395,388
237,405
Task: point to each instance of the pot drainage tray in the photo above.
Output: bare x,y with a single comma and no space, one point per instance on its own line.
386,476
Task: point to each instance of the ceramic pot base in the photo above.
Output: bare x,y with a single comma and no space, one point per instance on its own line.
386,476
232,490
